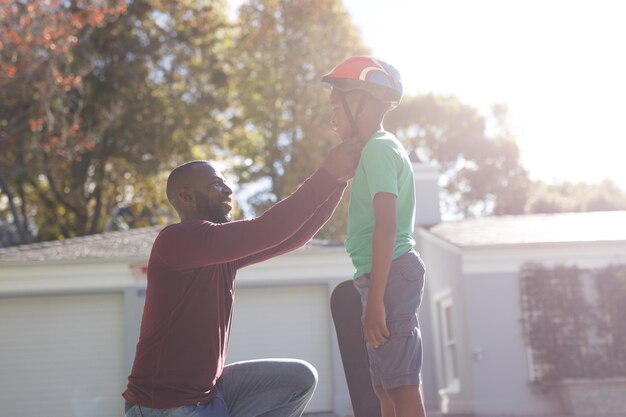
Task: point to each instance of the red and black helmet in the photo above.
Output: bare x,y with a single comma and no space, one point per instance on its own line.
368,74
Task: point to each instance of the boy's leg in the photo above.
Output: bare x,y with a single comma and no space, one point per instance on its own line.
395,366
268,387
386,404
407,401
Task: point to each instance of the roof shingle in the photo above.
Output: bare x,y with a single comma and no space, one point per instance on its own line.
484,231
535,229
123,244
134,243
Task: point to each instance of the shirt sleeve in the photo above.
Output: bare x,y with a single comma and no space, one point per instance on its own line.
302,236
381,165
197,243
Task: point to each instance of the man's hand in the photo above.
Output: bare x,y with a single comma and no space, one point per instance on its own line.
341,161
375,329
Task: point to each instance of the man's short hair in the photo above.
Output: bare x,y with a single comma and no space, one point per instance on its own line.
177,177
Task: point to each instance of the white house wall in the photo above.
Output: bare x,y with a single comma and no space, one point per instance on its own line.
443,279
310,271
500,372
327,266
484,283
509,259
19,278
429,370
62,355
491,276
286,321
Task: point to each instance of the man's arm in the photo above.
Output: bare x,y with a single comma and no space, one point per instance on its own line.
383,239
197,243
302,236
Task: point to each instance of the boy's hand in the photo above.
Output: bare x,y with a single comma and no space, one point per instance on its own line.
341,161
375,325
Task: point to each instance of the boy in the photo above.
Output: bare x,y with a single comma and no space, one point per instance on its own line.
389,273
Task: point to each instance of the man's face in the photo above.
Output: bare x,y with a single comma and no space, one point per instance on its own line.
212,195
339,121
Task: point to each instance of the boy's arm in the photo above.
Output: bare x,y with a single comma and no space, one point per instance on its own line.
374,327
302,236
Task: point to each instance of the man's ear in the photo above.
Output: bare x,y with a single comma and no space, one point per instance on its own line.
185,195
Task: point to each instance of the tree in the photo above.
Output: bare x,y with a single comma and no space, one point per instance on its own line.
35,42
282,49
482,172
574,197
89,128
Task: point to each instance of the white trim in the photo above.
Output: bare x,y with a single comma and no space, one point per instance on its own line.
530,363
492,259
303,267
21,264
442,294
423,172
509,259
34,278
307,266
450,372
427,236
452,403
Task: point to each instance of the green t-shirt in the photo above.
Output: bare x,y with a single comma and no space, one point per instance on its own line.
384,167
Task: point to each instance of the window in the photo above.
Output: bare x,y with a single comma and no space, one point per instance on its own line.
448,344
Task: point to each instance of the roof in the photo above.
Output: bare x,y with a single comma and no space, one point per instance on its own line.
134,243
122,244
599,226
484,231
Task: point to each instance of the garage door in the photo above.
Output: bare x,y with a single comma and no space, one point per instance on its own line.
292,322
62,356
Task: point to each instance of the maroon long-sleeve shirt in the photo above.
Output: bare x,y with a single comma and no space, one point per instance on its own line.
191,272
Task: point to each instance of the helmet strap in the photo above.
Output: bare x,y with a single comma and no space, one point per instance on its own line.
346,109
359,106
353,118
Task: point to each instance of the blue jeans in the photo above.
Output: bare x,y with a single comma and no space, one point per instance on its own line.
258,388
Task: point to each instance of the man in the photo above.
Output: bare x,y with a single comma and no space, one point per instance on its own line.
179,364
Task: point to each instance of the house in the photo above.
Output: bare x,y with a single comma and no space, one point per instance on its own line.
70,311
482,361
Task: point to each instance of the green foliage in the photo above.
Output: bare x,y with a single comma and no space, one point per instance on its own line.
100,99
574,197
144,88
483,173
573,321
281,51
39,82
611,284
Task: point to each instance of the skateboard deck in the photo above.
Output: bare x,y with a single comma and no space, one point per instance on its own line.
345,306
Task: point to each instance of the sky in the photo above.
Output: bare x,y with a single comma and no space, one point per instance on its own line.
559,66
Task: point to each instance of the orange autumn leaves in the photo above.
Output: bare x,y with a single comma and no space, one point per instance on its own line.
40,35
37,31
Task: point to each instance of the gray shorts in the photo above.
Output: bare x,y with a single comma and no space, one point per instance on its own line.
399,361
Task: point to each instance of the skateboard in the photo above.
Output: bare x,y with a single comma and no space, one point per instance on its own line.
345,306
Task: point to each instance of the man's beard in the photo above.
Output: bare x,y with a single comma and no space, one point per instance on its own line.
211,212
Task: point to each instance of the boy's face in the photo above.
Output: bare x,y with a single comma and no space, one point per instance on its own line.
339,121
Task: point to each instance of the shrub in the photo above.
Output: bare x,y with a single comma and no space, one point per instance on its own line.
573,321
